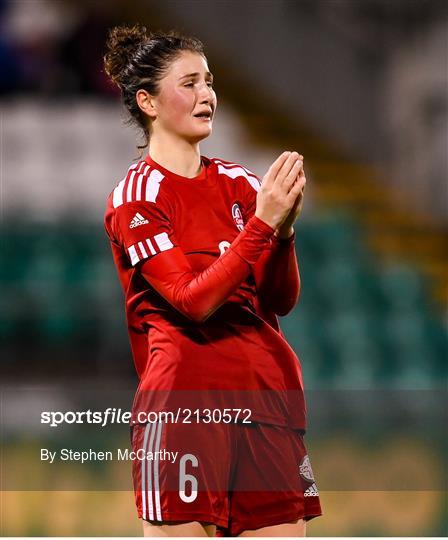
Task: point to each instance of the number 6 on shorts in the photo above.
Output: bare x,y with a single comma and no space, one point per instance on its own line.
184,477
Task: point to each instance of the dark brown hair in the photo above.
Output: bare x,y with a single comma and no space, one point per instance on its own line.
137,59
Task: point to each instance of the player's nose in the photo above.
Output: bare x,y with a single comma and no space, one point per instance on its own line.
206,94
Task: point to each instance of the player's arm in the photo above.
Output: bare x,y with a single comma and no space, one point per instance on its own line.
144,230
197,296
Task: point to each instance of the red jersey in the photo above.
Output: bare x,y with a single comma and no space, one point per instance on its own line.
205,334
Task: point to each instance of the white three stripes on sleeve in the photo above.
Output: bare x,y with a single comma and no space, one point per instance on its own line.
139,251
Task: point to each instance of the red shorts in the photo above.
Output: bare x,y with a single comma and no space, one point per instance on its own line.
236,476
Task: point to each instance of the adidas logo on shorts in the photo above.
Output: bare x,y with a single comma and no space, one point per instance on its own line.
137,220
311,491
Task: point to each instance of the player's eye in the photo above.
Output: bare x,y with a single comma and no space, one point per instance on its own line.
210,84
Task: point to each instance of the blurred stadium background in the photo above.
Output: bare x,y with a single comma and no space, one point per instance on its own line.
359,87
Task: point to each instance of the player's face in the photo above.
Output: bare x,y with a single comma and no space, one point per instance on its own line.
185,91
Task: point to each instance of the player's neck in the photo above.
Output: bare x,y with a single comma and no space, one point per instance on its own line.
179,156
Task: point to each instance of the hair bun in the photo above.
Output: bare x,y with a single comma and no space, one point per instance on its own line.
121,46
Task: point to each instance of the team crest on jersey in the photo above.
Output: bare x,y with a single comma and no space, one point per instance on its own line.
237,217
305,470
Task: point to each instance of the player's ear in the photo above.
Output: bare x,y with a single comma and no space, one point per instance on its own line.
147,103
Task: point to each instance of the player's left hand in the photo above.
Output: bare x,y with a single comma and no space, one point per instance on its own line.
286,230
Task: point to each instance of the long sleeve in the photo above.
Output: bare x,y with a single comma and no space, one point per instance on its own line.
277,276
197,296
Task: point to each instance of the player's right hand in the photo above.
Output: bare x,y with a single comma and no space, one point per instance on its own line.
279,189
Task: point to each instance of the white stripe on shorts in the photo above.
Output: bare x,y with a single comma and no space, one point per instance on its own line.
156,473
146,472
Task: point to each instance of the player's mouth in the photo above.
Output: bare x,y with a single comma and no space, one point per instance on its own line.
204,115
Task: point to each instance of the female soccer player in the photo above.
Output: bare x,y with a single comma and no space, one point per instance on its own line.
205,255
